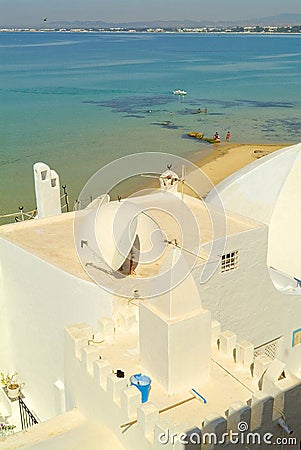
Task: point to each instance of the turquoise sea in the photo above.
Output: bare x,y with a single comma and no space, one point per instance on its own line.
78,100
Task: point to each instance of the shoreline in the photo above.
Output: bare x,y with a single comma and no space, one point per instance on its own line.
220,162
227,158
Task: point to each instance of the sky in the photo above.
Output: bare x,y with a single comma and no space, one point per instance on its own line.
32,12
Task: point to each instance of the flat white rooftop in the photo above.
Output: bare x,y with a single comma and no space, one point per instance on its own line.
51,239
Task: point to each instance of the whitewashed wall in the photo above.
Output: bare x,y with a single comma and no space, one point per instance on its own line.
268,190
246,302
40,300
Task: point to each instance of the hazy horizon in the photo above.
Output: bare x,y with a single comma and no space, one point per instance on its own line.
32,12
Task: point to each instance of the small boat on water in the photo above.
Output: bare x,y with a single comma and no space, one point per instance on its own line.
179,92
198,135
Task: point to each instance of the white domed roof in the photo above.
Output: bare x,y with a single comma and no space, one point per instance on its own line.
269,191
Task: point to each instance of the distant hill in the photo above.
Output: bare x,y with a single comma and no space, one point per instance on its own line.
280,19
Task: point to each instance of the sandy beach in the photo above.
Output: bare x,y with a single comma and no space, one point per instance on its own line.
227,158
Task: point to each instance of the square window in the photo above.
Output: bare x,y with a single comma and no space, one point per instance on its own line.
229,261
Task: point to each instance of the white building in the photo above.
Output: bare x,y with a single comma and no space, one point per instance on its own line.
223,347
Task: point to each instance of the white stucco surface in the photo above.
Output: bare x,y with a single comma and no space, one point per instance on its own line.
50,239
44,289
47,190
40,299
269,190
253,191
230,396
284,237
100,396
246,301
66,432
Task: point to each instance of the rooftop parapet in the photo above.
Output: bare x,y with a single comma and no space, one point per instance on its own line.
119,405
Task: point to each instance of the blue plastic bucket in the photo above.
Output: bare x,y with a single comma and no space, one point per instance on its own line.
143,383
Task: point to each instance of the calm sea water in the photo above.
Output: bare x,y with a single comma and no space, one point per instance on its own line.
77,101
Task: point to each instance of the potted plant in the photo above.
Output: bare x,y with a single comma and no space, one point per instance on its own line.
6,429
10,382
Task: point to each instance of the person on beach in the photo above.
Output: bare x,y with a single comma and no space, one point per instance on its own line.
228,135
216,136
199,110
205,110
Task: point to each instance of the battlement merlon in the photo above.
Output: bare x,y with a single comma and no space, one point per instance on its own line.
95,380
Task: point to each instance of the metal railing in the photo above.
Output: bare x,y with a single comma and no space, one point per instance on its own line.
66,198
20,216
82,203
27,418
26,215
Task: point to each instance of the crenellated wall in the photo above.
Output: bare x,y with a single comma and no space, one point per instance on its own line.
111,414
246,301
275,394
93,387
39,300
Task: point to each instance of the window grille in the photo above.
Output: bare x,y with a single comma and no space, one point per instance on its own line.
229,261
270,349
